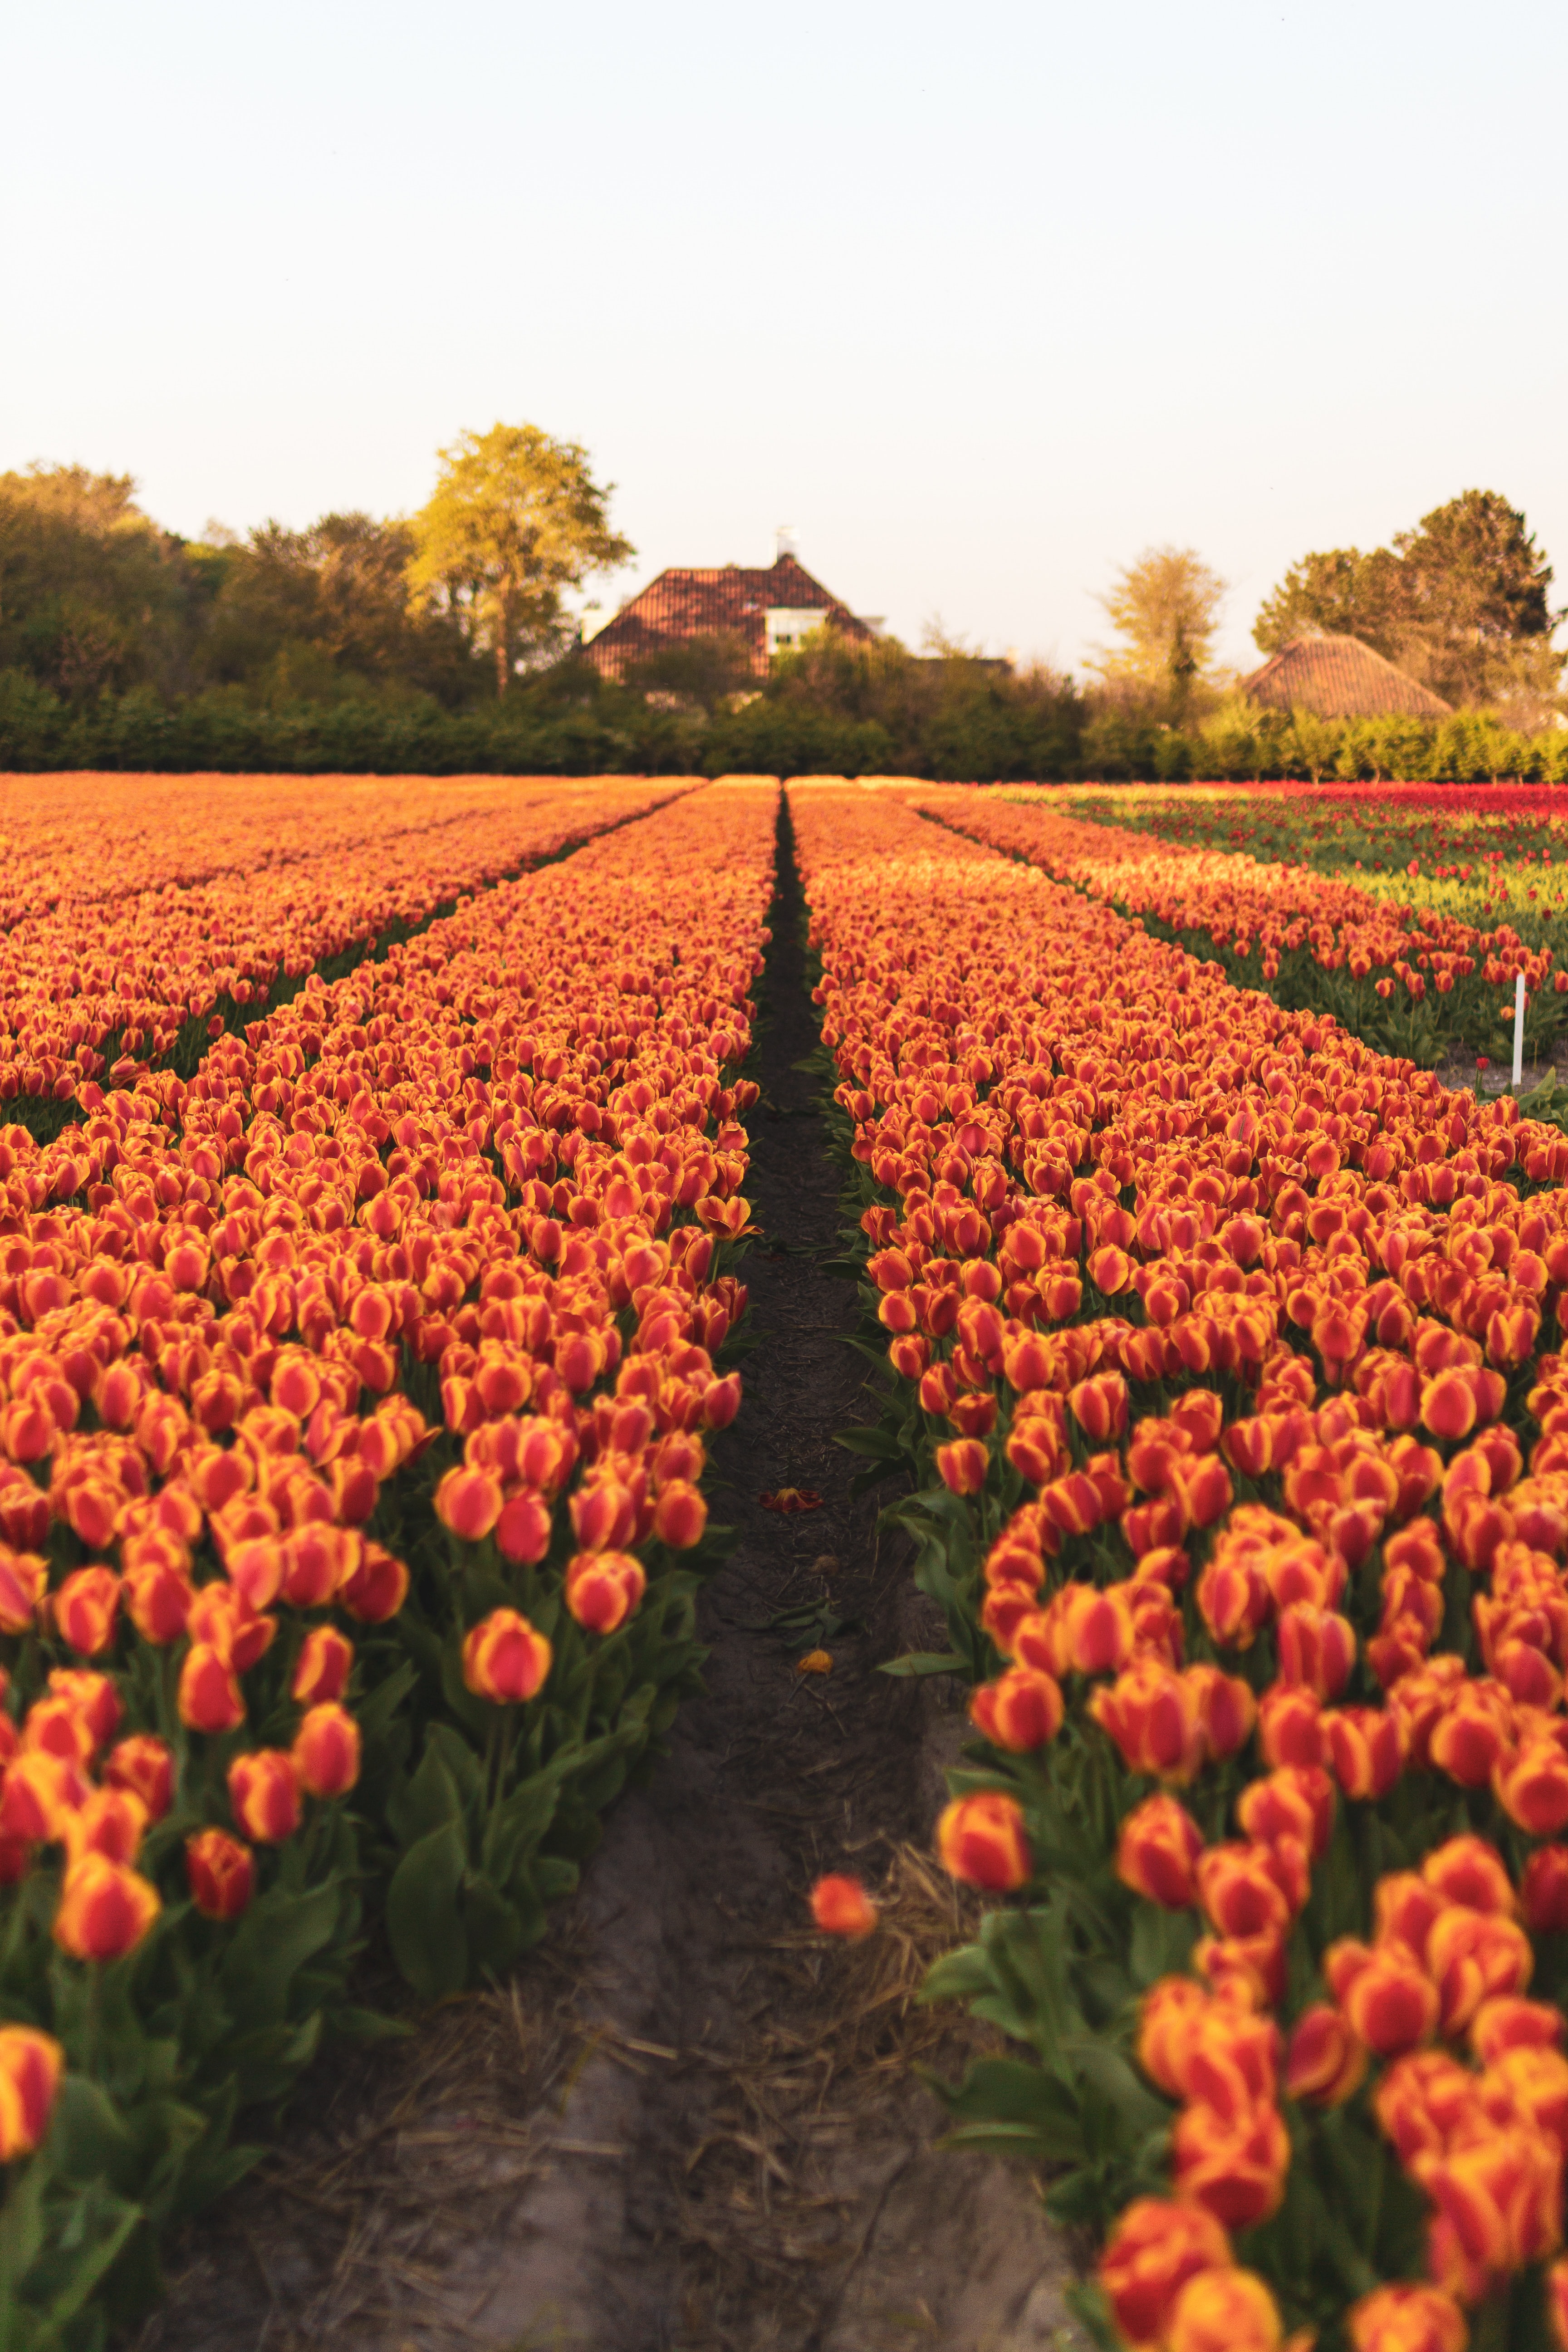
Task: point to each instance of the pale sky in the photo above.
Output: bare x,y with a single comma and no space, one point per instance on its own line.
983,300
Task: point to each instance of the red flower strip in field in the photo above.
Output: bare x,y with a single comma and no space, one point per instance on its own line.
1241,905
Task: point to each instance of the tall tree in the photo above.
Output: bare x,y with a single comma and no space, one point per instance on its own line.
93,595
1165,609
1460,601
1340,592
515,518
1474,599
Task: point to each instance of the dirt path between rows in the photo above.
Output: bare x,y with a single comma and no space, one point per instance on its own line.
688,2126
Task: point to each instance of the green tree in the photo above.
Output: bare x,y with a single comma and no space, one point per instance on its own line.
1474,602
515,518
93,596
1339,593
1165,609
1460,601
318,612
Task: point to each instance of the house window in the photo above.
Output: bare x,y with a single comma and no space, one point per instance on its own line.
788,627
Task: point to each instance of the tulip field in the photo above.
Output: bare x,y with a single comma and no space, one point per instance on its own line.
1420,962
353,1389
1219,1356
372,1221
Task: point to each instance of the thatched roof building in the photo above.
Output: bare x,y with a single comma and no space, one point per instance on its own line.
1339,677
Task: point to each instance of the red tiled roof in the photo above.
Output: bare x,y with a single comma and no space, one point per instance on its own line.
1339,677
727,601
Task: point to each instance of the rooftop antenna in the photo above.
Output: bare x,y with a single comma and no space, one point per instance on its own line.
783,541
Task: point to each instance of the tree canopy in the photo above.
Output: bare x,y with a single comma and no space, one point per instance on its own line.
1461,602
1164,608
515,518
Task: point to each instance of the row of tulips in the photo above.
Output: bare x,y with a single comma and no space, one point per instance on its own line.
1416,980
353,1404
92,989
1218,1352
81,839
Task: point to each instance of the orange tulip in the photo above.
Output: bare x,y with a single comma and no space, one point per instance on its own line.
1403,2318
145,1765
602,1588
841,1906
1020,1711
264,1791
105,1909
1157,1853
326,1750
1155,2246
31,2064
221,1874
982,1840
505,1659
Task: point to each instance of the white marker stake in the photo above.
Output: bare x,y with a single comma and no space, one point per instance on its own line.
1518,1030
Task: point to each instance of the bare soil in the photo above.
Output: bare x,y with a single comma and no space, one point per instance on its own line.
690,2124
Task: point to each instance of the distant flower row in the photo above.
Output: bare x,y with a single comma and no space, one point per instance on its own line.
96,982
1415,979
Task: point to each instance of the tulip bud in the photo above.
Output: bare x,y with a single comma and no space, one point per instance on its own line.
145,1765
1227,1709
1236,2171
1317,1649
841,1906
86,1607
264,1792
523,1531
31,2064
1544,1891
1390,2002
1468,1870
603,1588
209,1694
377,1589
469,1503
1152,1714
221,1874
1157,1853
1532,1786
505,1660
105,1909
1402,2319
1225,2310
1366,1750
110,1823
963,1465
324,1664
982,1840
1506,2022
326,1750
1020,1711
680,1515
1154,2248
1241,1892
1324,2063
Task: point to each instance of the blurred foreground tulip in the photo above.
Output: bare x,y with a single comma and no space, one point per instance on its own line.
841,1906
982,1840
30,2067
505,1659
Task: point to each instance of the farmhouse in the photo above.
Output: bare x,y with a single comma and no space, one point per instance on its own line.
772,608
1340,677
